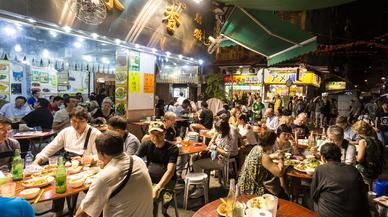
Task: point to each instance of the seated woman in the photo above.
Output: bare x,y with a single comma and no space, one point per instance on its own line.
161,157
259,174
338,189
223,143
247,136
370,152
284,140
106,111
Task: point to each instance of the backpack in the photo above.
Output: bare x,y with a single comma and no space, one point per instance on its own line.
374,158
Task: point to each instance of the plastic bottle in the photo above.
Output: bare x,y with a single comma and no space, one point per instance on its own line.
28,159
60,177
17,166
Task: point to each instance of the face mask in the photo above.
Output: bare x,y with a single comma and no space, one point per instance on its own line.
62,106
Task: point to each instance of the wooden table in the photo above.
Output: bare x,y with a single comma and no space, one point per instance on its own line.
70,195
295,179
206,135
192,148
34,136
285,209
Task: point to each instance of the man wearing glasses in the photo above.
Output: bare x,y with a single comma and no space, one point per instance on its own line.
61,117
76,140
7,145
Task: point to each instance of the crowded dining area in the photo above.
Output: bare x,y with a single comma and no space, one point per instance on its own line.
200,108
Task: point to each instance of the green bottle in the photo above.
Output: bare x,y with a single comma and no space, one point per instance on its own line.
60,177
17,166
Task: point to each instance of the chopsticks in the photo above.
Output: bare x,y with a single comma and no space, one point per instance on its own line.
39,196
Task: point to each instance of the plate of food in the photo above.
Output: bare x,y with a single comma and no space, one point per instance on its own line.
267,202
29,193
38,182
120,93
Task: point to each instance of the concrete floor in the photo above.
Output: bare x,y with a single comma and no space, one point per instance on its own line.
216,191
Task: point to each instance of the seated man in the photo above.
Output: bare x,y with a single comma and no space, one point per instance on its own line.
41,116
205,119
272,120
123,187
7,145
119,125
15,111
161,158
15,207
169,123
337,189
349,134
76,140
299,126
55,104
348,151
61,117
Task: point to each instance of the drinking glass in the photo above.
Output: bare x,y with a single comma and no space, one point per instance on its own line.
53,161
8,189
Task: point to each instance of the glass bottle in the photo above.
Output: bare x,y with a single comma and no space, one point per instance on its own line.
238,209
230,199
17,166
311,141
60,177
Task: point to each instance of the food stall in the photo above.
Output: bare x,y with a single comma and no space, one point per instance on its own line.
240,84
292,81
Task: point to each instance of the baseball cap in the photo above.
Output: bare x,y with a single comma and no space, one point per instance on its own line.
156,125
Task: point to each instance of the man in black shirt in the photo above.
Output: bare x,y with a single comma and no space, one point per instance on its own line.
41,116
161,158
205,119
337,189
169,122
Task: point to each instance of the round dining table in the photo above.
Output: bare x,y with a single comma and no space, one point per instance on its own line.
191,148
285,208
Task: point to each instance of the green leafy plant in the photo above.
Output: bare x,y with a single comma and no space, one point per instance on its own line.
215,84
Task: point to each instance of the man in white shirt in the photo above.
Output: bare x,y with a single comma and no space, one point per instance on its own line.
76,140
123,188
272,120
180,99
15,111
61,117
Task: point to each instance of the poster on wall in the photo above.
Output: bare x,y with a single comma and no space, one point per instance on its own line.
44,79
5,68
141,83
149,82
121,82
78,81
134,82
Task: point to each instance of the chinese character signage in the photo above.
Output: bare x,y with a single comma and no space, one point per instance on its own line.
242,79
305,78
336,85
148,83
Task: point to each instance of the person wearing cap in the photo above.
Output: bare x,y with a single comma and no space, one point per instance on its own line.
349,134
161,156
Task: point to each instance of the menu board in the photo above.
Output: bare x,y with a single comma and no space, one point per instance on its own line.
134,82
121,82
44,79
5,68
78,81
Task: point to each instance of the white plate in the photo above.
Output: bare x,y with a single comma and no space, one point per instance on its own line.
49,180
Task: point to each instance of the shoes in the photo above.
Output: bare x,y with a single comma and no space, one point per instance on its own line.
197,193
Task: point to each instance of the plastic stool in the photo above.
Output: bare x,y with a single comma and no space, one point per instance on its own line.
195,179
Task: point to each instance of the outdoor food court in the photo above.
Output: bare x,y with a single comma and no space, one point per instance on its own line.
203,108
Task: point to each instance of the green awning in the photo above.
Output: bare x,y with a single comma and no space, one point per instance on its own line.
285,5
267,34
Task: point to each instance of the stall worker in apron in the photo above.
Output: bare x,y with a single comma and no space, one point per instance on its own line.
77,140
